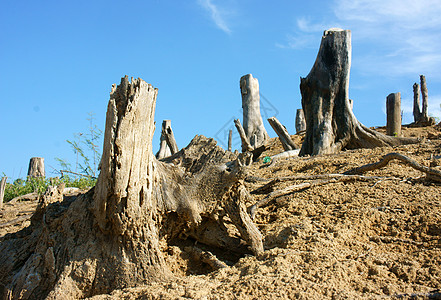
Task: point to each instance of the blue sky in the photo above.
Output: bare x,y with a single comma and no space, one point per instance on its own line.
58,60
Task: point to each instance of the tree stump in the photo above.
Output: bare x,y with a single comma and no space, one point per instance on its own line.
425,96
115,235
330,123
164,149
230,140
252,120
300,121
36,167
416,103
283,134
2,190
393,113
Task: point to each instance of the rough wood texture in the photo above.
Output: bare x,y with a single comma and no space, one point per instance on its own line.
164,149
246,146
169,137
416,103
300,121
230,139
330,123
393,114
252,120
36,167
283,134
114,236
2,190
425,96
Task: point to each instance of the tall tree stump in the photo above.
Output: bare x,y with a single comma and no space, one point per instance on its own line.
115,236
230,140
393,114
300,121
416,103
2,190
330,123
164,149
252,119
36,167
425,96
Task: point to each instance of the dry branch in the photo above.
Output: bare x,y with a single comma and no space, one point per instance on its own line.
283,134
432,173
246,146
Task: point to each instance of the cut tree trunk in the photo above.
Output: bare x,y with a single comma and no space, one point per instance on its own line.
164,149
393,113
252,120
283,134
230,139
425,96
2,190
36,167
330,123
115,235
169,136
300,121
416,103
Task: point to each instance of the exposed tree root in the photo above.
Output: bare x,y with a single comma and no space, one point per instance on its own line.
431,173
318,180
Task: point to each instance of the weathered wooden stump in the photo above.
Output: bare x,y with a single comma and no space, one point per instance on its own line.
300,121
330,123
36,167
2,190
252,120
393,114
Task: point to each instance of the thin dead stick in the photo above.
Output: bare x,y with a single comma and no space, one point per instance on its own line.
434,174
78,174
246,146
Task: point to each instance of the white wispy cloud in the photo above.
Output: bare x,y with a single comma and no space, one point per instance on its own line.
400,36
217,15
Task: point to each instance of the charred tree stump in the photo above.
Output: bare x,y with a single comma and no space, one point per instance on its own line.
393,113
416,103
252,120
115,235
36,167
164,149
2,190
330,123
230,140
283,134
300,121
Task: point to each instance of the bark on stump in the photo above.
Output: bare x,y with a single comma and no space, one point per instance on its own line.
2,190
330,123
283,134
36,167
114,236
300,121
393,114
252,120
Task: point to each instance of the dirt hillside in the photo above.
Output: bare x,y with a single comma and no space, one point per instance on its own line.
360,239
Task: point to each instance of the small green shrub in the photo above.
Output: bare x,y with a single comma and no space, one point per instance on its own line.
22,187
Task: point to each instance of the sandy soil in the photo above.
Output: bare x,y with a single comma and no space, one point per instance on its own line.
371,239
